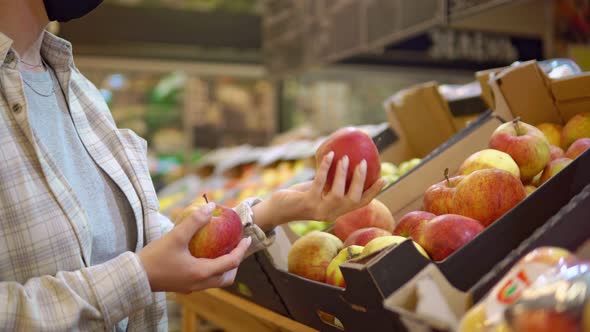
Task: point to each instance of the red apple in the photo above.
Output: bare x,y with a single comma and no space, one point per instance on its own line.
487,194
357,146
218,237
443,235
362,236
526,144
409,225
577,127
556,152
311,254
374,214
577,148
439,197
333,272
553,168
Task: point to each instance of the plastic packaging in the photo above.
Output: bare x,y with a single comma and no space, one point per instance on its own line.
488,314
555,302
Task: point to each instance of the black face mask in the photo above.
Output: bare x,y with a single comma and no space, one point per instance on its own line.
65,10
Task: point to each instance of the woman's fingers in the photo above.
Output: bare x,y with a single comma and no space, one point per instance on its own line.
339,184
227,262
322,173
373,191
355,192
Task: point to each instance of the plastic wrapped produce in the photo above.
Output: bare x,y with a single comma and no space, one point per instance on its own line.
488,314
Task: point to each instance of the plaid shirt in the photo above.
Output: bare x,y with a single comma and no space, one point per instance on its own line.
46,282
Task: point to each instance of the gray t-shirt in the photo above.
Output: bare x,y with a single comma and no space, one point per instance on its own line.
111,218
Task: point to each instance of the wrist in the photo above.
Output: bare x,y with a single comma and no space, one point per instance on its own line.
272,212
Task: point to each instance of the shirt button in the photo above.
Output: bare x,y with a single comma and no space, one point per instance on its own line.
17,108
9,58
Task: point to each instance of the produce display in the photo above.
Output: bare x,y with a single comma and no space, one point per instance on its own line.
489,183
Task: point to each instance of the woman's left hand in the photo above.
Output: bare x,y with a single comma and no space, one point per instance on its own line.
309,201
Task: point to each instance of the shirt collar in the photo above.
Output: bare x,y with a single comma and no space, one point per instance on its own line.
56,51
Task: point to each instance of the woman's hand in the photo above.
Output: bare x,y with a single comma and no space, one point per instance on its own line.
170,266
308,201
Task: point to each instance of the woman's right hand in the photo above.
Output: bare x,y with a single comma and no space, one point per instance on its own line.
170,266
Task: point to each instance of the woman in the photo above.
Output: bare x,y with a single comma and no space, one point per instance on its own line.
81,239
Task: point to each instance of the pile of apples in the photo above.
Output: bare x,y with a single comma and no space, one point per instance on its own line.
490,182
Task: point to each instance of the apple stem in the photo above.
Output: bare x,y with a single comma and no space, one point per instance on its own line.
447,176
517,126
205,197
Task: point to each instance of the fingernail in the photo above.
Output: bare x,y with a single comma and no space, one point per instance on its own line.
208,208
363,166
345,162
330,155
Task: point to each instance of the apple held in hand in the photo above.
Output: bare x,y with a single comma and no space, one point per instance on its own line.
489,158
577,148
438,198
362,236
357,146
311,254
487,194
577,127
383,242
553,168
526,144
443,235
409,225
374,214
218,237
333,273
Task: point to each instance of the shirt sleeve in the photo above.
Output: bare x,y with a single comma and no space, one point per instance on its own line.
85,299
260,239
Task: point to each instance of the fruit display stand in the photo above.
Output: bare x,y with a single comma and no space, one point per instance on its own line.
370,279
412,305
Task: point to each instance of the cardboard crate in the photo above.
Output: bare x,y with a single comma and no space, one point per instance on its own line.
525,91
417,138
444,305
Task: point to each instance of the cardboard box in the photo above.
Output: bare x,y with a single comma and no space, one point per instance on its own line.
568,228
572,95
407,109
525,91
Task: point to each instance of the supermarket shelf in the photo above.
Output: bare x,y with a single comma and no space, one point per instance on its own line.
299,35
